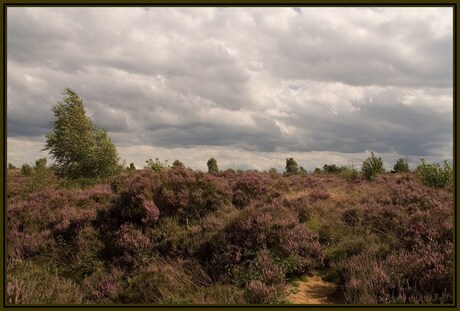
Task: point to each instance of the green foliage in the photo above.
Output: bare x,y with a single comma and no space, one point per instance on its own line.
26,170
332,168
273,170
302,171
78,147
178,163
401,166
157,166
350,174
291,166
11,166
433,175
131,168
40,163
212,166
372,166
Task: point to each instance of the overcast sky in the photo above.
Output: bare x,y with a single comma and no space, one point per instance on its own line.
248,86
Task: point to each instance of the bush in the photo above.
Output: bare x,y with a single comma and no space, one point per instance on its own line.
250,187
266,283
188,194
272,227
350,174
291,166
26,170
433,175
401,166
372,166
157,166
212,166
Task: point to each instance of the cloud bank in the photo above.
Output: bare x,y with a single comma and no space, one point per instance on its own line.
250,86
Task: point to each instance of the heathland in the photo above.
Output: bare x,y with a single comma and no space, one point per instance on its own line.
178,236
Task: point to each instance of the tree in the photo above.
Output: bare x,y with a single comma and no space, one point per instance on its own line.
372,166
178,163
401,166
40,163
291,166
131,167
11,166
79,148
157,166
302,171
212,166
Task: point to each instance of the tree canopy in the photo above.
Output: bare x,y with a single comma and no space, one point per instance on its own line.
79,148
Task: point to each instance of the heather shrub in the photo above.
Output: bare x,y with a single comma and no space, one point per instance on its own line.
133,245
319,194
188,194
265,280
250,187
422,274
135,199
372,166
273,227
433,175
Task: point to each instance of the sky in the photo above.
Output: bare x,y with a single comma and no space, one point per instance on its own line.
247,86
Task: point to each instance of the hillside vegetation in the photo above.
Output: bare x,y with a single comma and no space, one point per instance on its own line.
177,236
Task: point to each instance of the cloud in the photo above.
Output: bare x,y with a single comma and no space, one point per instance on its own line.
243,80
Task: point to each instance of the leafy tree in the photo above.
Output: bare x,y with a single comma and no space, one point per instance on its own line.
79,148
212,166
131,167
40,163
302,171
401,166
26,170
157,166
11,166
273,170
372,166
291,166
178,163
433,175
317,171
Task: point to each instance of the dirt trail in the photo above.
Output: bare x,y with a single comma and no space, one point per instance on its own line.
314,291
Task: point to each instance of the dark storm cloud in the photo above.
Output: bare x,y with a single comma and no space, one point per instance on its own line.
258,79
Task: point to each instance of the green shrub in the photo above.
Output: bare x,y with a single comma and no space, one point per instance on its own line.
157,166
26,170
433,175
291,166
350,174
401,166
212,166
372,166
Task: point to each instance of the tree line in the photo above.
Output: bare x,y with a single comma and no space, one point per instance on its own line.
82,150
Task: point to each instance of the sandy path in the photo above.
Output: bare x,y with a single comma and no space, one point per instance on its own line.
314,291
